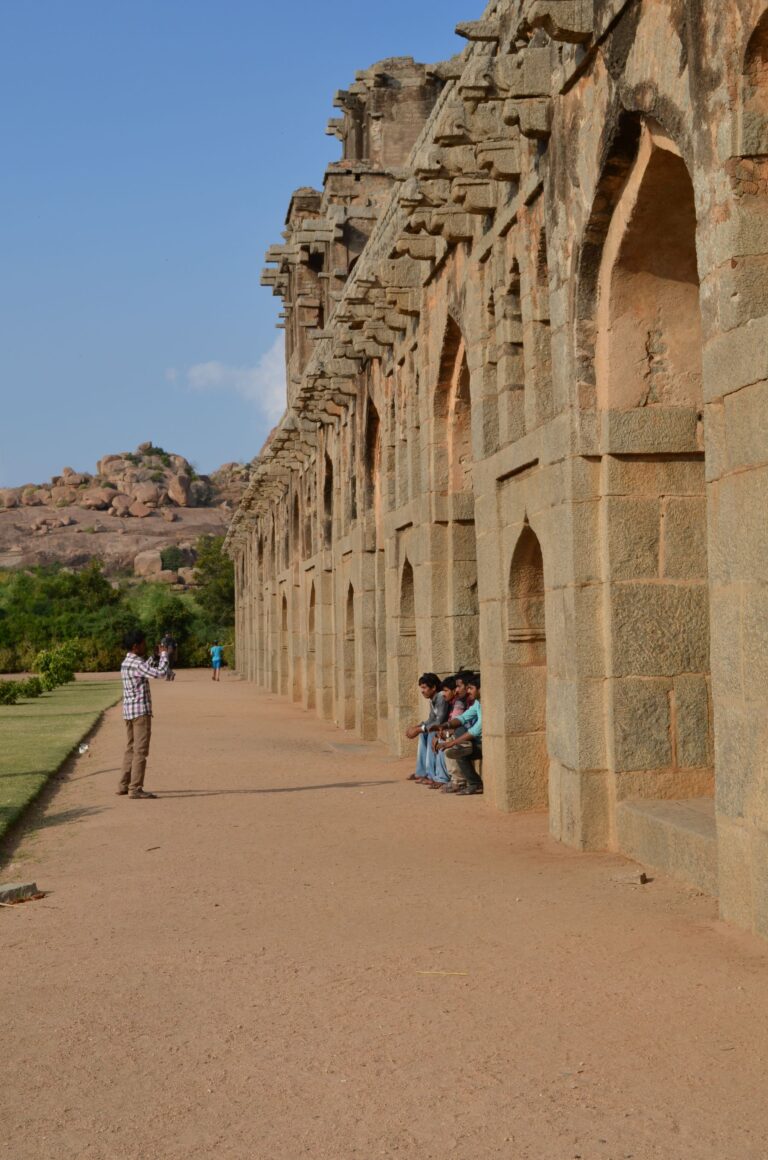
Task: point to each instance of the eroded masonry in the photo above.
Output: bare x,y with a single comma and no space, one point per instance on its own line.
526,326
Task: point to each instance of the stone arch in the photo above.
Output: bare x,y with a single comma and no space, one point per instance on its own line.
283,643
452,412
309,507
372,460
648,342
328,501
407,614
537,336
641,348
312,648
455,620
525,677
350,660
752,120
404,670
296,524
258,595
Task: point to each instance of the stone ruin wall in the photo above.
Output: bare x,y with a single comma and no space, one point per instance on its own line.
527,342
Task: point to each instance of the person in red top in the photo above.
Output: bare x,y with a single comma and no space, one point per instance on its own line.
136,672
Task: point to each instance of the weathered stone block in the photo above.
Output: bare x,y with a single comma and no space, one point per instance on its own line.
659,629
650,431
684,541
633,537
736,358
693,725
641,724
746,427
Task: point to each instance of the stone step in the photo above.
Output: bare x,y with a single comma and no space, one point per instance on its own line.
677,838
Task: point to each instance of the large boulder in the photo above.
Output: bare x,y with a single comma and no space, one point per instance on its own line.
149,563
74,478
166,576
61,495
9,497
139,511
178,489
96,499
30,497
147,493
121,504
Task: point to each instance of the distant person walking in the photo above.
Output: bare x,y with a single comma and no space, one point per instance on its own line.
171,647
217,660
135,672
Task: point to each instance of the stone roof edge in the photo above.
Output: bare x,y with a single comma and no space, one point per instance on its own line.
389,222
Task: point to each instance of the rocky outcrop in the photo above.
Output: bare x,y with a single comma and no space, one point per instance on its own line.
149,476
155,498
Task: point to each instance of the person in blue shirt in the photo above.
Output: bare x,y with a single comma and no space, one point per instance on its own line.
217,660
460,753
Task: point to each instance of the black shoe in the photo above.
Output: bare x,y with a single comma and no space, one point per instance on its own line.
470,789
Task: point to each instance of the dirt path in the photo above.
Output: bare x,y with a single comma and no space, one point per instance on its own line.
294,953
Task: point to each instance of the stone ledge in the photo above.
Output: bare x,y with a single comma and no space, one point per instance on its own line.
677,838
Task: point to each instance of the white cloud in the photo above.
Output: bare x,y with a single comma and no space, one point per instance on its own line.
263,384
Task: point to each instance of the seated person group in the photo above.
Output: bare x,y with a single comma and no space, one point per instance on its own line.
451,737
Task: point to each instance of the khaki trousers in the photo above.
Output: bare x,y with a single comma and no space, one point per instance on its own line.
137,737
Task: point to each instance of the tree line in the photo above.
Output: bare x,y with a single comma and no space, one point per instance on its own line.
45,607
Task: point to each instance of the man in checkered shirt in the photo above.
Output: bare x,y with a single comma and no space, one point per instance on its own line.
136,672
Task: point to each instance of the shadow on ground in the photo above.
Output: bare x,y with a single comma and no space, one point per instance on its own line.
178,793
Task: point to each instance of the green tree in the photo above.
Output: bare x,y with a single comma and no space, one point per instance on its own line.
215,576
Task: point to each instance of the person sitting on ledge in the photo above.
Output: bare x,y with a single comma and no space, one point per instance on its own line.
461,752
454,691
429,687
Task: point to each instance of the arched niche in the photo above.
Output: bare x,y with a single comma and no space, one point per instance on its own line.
312,648
372,460
639,307
407,618
452,452
283,661
350,661
328,501
525,602
296,525
648,319
526,752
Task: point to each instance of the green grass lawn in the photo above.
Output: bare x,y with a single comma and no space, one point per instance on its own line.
37,736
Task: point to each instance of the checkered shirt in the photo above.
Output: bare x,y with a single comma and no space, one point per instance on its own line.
137,699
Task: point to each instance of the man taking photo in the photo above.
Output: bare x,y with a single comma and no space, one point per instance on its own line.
136,672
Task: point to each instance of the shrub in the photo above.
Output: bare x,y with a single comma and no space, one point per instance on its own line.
9,692
57,665
32,687
172,558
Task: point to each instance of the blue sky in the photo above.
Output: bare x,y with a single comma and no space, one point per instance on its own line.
149,149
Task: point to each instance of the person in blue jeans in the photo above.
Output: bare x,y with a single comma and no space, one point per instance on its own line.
429,687
217,660
454,691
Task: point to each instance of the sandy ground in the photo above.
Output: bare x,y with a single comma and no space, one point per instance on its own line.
295,953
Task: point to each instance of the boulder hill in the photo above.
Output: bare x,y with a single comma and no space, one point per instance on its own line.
135,506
